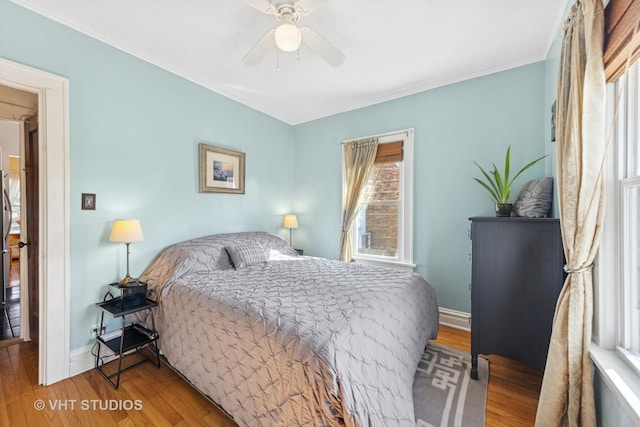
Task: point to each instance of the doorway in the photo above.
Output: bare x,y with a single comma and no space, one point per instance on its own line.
18,214
53,253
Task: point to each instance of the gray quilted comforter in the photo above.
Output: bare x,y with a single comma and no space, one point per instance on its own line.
295,340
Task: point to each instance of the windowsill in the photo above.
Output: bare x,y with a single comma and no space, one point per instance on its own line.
623,381
385,263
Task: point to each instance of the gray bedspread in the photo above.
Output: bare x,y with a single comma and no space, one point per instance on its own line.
295,340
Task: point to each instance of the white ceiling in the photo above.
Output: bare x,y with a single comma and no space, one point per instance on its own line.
393,48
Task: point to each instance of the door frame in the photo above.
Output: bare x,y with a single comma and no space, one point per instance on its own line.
54,254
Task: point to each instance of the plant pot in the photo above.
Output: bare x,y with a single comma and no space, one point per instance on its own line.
503,209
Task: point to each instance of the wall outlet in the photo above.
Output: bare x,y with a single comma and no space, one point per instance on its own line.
94,331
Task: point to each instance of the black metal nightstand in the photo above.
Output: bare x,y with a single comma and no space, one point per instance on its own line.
130,338
300,251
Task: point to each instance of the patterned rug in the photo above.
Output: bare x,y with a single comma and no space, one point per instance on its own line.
443,392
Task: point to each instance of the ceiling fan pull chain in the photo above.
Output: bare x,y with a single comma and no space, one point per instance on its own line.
277,60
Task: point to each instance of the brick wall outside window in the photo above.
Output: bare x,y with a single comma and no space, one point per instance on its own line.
381,236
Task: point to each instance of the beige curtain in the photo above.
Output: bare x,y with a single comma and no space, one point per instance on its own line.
567,387
359,157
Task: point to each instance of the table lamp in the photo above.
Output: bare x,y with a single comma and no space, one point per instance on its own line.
126,231
290,222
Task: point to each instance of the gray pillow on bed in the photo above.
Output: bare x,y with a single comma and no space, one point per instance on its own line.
208,253
245,255
534,200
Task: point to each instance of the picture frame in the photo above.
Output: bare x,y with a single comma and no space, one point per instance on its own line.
88,201
221,170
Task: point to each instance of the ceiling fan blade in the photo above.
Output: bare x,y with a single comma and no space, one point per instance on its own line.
322,47
257,52
305,7
263,6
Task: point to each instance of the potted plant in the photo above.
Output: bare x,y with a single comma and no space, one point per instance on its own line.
499,185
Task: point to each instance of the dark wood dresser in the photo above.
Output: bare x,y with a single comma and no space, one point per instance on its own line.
516,277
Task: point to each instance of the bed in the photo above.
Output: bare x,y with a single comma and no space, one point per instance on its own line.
278,339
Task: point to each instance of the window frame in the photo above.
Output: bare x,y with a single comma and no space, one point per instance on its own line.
618,367
404,260
629,330
625,177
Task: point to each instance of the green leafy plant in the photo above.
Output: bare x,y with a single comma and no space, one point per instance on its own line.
499,185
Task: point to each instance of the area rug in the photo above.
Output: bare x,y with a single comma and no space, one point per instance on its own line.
443,392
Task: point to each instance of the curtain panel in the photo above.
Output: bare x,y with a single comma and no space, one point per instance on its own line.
566,397
359,157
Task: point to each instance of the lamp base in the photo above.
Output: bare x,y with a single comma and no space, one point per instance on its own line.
128,281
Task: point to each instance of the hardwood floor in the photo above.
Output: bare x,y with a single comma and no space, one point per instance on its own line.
10,322
167,400
514,387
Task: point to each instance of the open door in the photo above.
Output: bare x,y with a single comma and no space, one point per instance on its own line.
29,233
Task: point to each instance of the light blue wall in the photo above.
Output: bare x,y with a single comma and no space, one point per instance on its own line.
454,125
552,66
609,411
134,133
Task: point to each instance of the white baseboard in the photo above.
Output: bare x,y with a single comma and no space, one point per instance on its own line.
455,319
81,360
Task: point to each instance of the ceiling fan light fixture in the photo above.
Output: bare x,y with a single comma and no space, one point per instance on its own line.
288,37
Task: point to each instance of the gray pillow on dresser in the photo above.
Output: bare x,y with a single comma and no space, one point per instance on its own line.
534,200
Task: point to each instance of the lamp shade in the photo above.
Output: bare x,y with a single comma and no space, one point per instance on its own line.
126,231
288,37
290,221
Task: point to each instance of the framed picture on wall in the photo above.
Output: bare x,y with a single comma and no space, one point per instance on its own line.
221,170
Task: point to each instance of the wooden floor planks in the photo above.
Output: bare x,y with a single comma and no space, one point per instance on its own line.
514,387
167,400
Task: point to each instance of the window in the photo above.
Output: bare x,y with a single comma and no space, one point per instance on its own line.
630,322
382,231
623,206
377,221
616,350
628,147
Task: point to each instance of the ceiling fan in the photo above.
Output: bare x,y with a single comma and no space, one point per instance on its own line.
288,36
